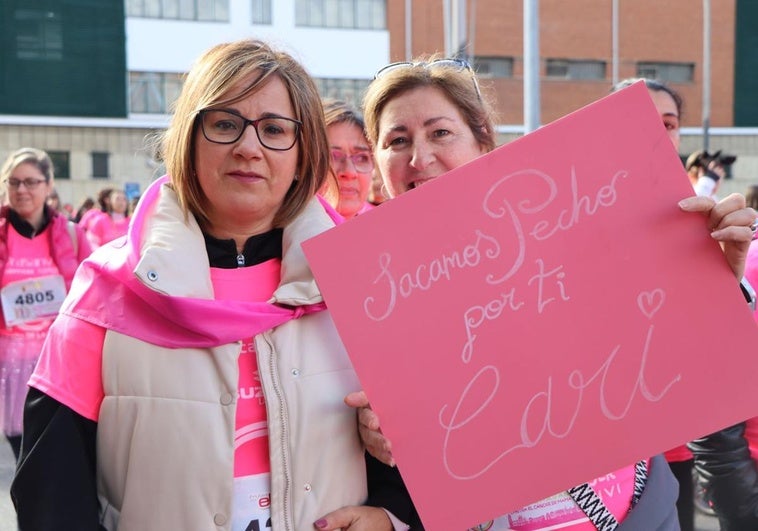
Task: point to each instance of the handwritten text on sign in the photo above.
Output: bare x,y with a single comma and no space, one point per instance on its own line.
539,317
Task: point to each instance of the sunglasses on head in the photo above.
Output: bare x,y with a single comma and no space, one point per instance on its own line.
455,64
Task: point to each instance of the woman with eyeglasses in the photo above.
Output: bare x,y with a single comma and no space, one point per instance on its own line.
39,253
194,379
427,117
352,163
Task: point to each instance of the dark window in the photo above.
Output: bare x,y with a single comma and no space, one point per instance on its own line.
493,66
575,69
100,165
39,35
61,164
670,72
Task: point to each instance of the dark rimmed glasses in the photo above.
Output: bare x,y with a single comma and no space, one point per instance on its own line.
455,64
30,183
226,127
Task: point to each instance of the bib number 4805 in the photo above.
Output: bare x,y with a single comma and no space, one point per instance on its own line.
36,297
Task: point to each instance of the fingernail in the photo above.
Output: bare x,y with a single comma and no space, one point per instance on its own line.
321,523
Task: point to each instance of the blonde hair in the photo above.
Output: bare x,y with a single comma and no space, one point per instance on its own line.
27,155
208,84
458,84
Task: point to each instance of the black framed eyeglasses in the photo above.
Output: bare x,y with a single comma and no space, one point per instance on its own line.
455,64
226,127
30,183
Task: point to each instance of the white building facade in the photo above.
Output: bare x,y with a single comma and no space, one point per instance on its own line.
340,42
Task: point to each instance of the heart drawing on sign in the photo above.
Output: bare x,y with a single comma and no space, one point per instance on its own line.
650,302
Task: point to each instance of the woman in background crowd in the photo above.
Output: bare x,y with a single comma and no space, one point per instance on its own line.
86,205
351,161
427,117
113,223
39,252
89,216
54,202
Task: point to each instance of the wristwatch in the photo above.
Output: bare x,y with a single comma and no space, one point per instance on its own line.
748,292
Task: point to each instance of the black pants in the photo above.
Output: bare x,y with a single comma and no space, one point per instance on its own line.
685,503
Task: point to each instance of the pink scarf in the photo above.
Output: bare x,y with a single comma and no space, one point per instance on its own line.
107,293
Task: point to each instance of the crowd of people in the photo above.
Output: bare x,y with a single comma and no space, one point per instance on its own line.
191,377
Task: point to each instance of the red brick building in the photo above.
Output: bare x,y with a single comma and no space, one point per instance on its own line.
656,38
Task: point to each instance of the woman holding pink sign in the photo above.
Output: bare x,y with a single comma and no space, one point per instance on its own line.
39,252
427,117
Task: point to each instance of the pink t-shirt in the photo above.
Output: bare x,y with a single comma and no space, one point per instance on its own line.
89,217
255,283
27,259
106,228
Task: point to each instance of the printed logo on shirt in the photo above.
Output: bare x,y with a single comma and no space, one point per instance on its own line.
252,503
253,390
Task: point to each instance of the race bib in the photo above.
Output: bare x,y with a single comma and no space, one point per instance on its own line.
32,298
252,503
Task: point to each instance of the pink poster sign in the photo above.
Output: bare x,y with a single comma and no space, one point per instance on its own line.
541,316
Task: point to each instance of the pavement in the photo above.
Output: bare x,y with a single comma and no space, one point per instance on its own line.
8,514
7,466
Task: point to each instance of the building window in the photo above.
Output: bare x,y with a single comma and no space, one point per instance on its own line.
351,14
575,69
39,34
670,72
100,165
349,90
490,67
61,164
261,11
153,92
202,10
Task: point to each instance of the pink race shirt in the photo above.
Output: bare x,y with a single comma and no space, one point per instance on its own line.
27,259
252,482
105,228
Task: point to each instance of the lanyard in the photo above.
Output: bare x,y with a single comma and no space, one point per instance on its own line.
591,504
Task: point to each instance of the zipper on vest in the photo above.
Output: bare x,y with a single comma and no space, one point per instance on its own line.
283,418
240,260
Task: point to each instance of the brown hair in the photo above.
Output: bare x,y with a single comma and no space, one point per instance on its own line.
458,84
27,155
208,83
338,111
